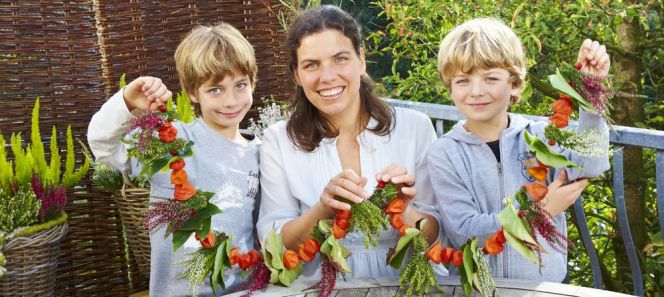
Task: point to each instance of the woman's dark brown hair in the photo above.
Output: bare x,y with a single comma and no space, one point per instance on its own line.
307,127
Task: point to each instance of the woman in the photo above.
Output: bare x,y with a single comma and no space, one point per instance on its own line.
340,140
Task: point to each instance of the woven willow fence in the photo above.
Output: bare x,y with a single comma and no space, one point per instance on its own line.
71,55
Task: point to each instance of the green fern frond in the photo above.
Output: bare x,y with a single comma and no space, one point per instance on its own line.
37,146
23,159
6,171
53,176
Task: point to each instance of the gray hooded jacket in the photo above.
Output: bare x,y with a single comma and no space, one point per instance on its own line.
470,186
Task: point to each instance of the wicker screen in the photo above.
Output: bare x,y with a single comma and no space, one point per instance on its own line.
71,55
50,50
140,39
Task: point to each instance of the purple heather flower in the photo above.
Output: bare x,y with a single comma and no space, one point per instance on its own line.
169,213
595,92
149,121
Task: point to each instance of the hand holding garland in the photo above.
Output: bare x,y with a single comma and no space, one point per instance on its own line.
153,142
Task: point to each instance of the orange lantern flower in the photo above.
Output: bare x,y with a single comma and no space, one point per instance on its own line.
536,190
177,164
179,177
291,260
397,205
559,120
433,254
184,192
208,241
396,221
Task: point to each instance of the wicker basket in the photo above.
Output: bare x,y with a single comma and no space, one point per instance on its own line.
132,202
32,262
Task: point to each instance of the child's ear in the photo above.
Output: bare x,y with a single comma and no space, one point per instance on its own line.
193,98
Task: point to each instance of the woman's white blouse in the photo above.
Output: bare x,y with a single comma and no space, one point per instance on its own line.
292,181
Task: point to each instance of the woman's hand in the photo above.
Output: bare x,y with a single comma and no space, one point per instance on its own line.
561,196
398,175
346,187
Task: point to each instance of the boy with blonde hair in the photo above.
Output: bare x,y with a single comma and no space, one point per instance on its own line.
481,160
217,69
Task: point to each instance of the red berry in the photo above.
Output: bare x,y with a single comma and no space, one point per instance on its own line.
162,108
174,152
381,184
578,66
551,142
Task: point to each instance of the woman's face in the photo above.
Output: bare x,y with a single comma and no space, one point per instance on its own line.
329,71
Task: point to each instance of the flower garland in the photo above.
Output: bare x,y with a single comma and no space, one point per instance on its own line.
153,142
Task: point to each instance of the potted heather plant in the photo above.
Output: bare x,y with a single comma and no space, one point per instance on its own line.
33,194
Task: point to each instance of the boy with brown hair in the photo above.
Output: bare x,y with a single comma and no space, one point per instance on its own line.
217,68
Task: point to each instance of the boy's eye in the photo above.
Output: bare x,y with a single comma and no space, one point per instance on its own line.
461,81
241,85
214,90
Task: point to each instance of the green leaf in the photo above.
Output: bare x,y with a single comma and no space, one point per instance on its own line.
465,283
219,264
336,252
158,164
274,247
205,228
179,238
518,245
544,154
396,255
287,276
560,83
509,218
197,222
325,226
468,262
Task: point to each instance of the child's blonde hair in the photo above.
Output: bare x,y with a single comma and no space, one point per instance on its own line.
212,52
482,43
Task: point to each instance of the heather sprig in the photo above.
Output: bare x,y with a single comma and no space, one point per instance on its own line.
588,143
418,273
53,199
198,266
17,209
169,213
541,222
258,279
369,219
268,115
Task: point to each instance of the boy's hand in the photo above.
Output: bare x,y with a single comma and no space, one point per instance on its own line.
561,196
146,93
593,59
398,174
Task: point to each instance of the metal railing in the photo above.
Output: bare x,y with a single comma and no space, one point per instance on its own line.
620,136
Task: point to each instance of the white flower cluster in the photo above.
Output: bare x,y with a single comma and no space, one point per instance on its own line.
588,143
268,115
